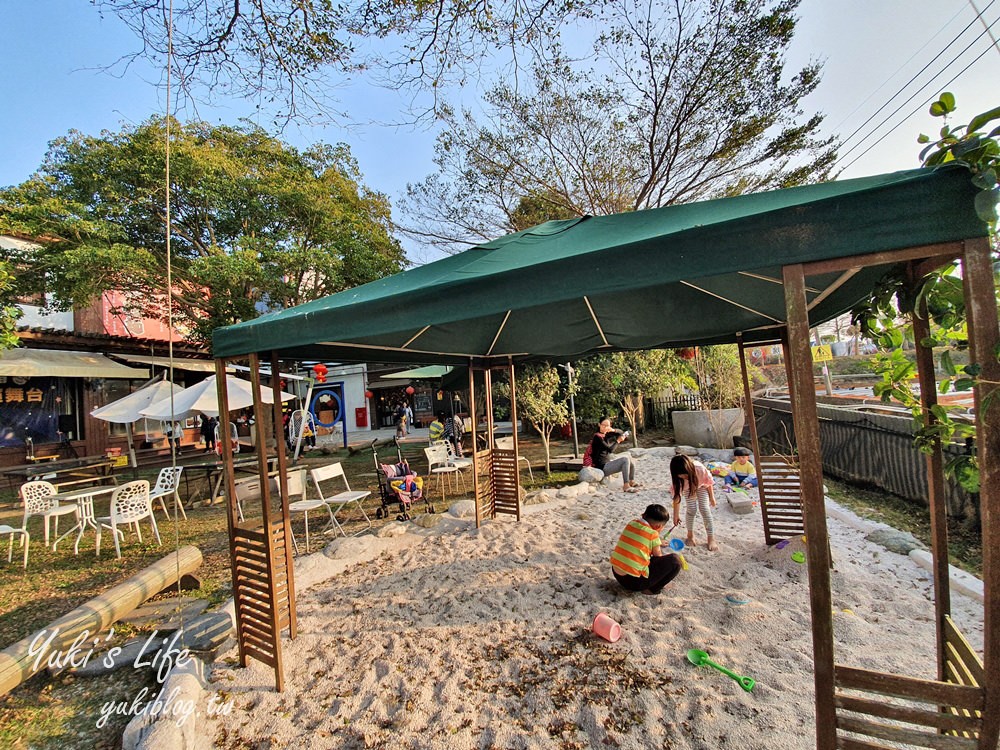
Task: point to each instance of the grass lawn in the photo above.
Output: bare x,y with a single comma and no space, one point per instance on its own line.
60,713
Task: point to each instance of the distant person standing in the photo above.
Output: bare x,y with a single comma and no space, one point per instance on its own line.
207,429
409,416
436,430
453,430
400,415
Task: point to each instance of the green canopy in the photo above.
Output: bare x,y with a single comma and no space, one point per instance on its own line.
698,273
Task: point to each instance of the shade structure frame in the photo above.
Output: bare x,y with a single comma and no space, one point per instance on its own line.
936,207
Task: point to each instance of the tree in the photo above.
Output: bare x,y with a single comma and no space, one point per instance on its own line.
941,294
256,224
9,313
720,385
292,53
541,400
686,100
623,380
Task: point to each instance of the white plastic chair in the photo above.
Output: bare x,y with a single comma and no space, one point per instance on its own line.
341,499
38,501
507,444
25,541
167,484
130,504
438,465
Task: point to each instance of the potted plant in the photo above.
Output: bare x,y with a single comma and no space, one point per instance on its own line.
720,386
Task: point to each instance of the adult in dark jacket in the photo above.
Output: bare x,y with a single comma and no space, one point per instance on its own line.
603,445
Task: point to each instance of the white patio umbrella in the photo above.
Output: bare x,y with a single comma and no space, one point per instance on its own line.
203,398
127,409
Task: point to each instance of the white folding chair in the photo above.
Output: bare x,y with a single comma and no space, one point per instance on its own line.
297,486
507,444
25,541
438,465
38,501
341,499
166,484
130,504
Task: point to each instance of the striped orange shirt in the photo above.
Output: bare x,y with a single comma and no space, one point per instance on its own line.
634,548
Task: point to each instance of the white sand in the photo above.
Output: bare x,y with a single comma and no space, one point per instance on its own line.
481,639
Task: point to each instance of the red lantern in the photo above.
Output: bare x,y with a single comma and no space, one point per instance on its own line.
688,353
320,371
369,394
410,390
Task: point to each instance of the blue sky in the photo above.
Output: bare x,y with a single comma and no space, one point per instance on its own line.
50,51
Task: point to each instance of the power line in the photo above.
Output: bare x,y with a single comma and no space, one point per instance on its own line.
919,107
915,94
917,75
901,67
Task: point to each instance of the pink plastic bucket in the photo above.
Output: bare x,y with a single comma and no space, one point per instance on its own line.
607,628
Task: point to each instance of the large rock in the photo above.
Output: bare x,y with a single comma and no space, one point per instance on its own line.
740,503
427,520
463,509
895,540
537,498
590,474
392,529
685,450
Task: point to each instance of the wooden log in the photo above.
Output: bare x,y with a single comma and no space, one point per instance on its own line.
88,622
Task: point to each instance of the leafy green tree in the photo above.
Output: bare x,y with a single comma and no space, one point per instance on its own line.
622,380
256,224
882,317
542,400
683,101
9,313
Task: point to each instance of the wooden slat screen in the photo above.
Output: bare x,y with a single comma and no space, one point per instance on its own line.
935,708
780,498
503,475
484,486
253,582
962,667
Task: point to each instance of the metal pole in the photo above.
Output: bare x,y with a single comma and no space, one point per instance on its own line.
826,370
572,409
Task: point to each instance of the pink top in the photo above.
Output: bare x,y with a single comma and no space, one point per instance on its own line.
704,477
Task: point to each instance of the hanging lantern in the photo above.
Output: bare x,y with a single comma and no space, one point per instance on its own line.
410,390
440,395
320,371
369,394
687,353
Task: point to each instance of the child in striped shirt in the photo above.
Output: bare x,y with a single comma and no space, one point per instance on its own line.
638,562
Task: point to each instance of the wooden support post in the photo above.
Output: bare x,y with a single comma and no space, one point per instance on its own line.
286,521
490,439
475,449
513,429
806,422
232,517
748,399
984,343
274,616
935,474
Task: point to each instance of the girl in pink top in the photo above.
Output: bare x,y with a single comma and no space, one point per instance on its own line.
693,482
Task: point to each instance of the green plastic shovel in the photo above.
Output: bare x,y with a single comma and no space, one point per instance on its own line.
700,659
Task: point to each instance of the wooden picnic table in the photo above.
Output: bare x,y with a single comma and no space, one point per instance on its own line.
215,473
67,472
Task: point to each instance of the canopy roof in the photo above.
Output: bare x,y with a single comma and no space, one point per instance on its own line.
39,363
666,277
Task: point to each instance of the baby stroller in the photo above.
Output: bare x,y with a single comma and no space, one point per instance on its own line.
397,485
